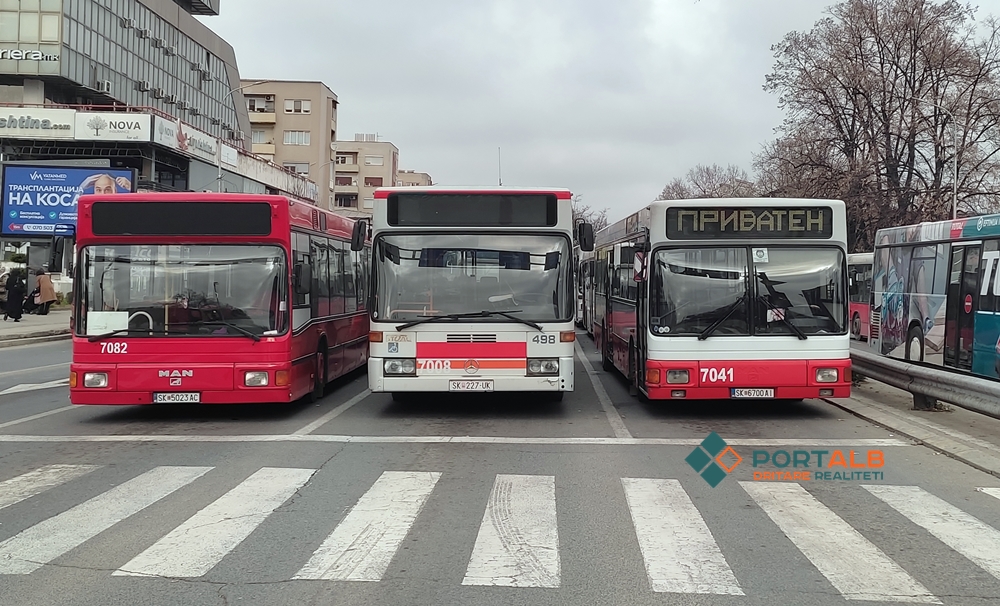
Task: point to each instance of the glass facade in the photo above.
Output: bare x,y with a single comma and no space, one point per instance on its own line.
125,43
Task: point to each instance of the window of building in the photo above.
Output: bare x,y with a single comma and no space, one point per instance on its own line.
346,159
301,168
347,200
346,181
297,137
374,161
298,106
259,136
373,181
260,103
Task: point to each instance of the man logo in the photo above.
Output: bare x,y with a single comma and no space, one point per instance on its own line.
471,367
175,373
175,382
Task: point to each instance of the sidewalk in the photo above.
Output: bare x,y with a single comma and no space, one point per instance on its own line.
35,329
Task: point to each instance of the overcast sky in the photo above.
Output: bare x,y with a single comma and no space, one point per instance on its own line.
611,99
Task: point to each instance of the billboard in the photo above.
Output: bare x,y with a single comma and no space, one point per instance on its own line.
37,198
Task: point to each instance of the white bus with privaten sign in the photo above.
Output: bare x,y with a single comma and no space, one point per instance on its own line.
472,290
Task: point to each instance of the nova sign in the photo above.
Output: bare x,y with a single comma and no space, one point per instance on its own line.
18,54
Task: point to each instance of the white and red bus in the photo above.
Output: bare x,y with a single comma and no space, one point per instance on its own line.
859,276
584,288
213,298
727,298
473,290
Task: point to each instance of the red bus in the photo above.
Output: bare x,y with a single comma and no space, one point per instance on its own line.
859,275
214,298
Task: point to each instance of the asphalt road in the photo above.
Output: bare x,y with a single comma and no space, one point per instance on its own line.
499,500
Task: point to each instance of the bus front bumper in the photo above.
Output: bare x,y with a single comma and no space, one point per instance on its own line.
451,381
747,379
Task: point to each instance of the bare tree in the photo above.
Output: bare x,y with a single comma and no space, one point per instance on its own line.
710,182
584,213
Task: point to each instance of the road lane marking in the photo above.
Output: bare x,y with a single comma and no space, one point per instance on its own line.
993,492
962,532
40,415
617,424
342,439
40,544
199,544
362,546
308,429
34,386
518,542
679,551
854,566
39,480
33,369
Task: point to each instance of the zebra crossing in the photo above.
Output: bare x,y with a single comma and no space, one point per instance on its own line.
518,539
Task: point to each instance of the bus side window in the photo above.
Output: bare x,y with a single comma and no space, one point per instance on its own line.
300,255
988,274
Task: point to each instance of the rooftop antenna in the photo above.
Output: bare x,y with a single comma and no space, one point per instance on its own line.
499,169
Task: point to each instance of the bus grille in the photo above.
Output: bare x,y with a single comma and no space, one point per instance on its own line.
459,338
876,323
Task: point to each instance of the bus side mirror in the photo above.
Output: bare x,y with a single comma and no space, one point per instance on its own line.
358,237
303,279
585,236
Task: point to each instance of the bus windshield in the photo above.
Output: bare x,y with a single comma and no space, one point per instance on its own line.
182,290
793,290
436,274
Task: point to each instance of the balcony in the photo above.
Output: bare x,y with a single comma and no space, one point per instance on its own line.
348,168
266,149
263,118
346,189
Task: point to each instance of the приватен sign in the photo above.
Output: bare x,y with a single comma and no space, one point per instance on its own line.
749,223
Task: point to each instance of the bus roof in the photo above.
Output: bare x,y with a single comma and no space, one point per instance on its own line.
560,193
940,231
862,258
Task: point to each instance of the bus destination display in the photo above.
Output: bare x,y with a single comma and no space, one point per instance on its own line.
749,223
471,210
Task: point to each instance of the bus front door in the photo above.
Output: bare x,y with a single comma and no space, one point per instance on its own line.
962,299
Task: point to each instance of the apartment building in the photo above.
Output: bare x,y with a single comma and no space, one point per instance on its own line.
362,166
294,124
410,178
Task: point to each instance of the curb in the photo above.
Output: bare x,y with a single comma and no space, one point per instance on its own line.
36,337
973,457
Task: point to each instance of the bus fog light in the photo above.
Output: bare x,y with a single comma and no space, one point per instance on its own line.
95,379
826,392
678,393
826,375
399,366
543,366
255,378
678,376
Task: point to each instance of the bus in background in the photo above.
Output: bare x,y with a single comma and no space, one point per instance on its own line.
859,283
936,294
730,298
214,298
472,290
584,287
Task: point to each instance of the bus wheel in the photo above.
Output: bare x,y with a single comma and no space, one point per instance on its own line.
319,378
856,327
606,363
915,344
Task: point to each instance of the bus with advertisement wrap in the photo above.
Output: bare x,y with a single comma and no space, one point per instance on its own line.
936,294
472,290
727,298
214,298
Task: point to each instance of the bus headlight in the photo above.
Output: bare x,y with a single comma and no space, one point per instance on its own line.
826,375
543,366
399,366
678,376
95,379
255,378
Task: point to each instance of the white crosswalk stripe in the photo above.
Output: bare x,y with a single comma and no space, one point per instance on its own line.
952,526
40,544
854,566
993,492
197,545
518,542
361,547
27,485
680,553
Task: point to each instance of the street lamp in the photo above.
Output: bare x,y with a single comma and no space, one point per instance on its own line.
226,96
954,141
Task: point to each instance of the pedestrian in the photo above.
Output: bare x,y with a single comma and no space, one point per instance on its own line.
46,292
15,295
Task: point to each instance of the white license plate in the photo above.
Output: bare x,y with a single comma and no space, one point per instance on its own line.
752,393
177,397
462,385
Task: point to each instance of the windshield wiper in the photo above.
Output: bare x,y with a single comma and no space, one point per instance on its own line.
239,329
474,314
100,337
798,331
729,312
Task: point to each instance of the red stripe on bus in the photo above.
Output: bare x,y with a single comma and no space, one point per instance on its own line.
511,349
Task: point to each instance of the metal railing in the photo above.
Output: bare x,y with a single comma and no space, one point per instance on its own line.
928,384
